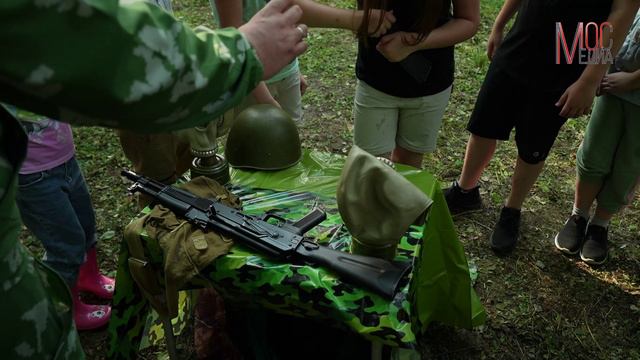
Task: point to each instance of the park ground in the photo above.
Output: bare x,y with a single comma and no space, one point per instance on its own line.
540,304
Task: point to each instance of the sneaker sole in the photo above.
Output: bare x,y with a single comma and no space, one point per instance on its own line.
500,252
503,251
592,262
564,250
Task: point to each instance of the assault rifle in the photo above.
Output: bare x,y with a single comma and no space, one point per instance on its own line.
282,240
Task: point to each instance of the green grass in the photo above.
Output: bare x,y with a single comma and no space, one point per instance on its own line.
540,304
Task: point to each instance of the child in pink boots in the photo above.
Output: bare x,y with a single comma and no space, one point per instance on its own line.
55,205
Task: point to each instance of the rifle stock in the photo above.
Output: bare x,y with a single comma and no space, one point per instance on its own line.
380,276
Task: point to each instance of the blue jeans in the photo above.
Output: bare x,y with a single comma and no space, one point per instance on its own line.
55,205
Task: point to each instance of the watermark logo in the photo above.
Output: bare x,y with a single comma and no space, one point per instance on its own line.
587,46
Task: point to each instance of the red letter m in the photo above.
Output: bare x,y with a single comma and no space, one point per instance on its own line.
578,39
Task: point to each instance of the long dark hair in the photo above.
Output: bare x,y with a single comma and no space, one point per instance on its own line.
432,11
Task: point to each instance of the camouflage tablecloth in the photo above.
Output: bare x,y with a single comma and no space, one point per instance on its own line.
439,288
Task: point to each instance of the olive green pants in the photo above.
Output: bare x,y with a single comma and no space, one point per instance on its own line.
162,157
610,152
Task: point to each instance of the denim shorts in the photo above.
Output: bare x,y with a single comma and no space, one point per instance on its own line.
56,207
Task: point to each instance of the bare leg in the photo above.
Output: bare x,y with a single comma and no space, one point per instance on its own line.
407,157
603,214
524,177
479,152
586,193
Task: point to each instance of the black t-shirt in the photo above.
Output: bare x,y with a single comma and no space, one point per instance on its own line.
392,78
528,52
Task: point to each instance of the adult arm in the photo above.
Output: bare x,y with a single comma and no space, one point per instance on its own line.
466,19
578,98
133,65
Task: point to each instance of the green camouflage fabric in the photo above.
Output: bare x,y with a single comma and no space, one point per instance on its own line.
129,66
95,62
35,303
153,334
439,289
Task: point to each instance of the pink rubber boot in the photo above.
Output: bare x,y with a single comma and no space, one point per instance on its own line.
89,317
90,279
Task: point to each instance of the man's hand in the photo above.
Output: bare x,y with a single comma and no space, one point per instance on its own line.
276,35
494,42
577,99
619,82
394,46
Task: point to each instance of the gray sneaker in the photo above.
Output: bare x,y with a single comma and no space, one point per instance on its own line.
569,240
595,250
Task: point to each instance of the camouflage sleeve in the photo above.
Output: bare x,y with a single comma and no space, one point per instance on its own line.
127,64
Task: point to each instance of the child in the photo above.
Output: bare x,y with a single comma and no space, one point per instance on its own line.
608,159
54,204
405,78
524,88
286,88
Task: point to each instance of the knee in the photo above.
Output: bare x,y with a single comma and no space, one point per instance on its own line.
590,169
533,157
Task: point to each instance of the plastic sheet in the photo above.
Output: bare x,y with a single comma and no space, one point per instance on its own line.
439,289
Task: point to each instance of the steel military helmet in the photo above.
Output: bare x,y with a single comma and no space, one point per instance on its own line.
263,137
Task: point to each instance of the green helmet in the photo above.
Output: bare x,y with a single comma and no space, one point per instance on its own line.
263,137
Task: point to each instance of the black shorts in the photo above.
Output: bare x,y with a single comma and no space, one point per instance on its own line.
505,103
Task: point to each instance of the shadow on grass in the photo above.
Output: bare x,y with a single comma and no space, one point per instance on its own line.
542,304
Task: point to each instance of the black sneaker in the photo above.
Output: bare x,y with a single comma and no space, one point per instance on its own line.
570,238
595,250
506,232
462,201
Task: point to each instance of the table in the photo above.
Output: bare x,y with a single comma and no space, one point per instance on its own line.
439,288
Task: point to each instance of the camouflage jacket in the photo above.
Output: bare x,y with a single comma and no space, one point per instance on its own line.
95,62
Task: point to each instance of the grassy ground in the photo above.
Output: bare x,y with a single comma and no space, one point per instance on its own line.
540,304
